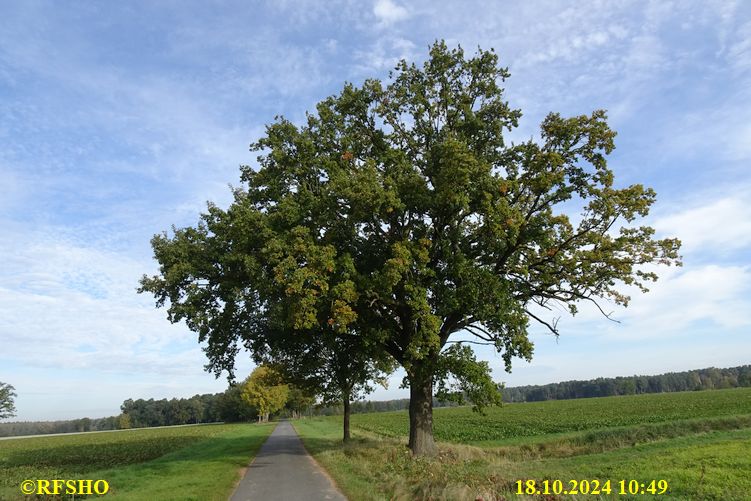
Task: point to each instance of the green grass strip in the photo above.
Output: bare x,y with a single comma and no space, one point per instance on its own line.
176,463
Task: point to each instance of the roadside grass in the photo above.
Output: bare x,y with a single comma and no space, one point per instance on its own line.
373,468
200,462
710,466
702,458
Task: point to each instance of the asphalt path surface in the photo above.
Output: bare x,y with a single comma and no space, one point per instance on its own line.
283,470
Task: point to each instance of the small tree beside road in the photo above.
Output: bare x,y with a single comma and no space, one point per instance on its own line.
7,401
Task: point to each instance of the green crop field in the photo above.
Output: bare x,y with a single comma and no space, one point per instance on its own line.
697,442
462,425
180,463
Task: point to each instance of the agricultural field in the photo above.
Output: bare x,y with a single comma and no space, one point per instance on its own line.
697,442
534,419
192,462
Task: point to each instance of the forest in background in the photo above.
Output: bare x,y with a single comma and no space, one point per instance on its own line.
701,379
230,407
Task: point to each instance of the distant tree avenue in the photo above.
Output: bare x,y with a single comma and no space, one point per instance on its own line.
7,401
266,391
337,368
399,213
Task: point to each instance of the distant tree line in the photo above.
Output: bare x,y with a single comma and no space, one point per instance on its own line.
694,380
68,426
230,406
702,379
141,413
147,413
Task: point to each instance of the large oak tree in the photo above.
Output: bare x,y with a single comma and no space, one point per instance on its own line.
398,211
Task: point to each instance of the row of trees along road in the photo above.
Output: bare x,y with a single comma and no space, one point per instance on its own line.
266,391
398,217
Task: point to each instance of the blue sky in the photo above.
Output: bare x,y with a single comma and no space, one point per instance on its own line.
119,119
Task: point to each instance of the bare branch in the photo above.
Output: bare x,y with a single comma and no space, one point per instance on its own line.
472,328
553,328
484,343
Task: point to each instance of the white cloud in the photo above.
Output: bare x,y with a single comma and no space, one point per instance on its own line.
389,12
717,228
63,305
719,295
11,189
74,330
384,55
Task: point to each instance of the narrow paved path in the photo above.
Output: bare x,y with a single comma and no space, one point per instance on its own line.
283,470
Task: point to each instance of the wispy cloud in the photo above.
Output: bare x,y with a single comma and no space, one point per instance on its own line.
388,12
384,55
718,228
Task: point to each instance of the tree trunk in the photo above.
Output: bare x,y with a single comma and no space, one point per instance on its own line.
346,418
421,415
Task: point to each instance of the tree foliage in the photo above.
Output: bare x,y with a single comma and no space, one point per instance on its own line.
7,400
461,377
338,368
206,408
231,407
400,212
299,401
266,391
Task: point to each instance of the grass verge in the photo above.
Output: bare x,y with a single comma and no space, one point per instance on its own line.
700,459
201,462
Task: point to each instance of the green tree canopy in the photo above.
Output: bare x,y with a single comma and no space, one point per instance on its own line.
400,212
266,391
337,367
232,407
7,400
299,400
